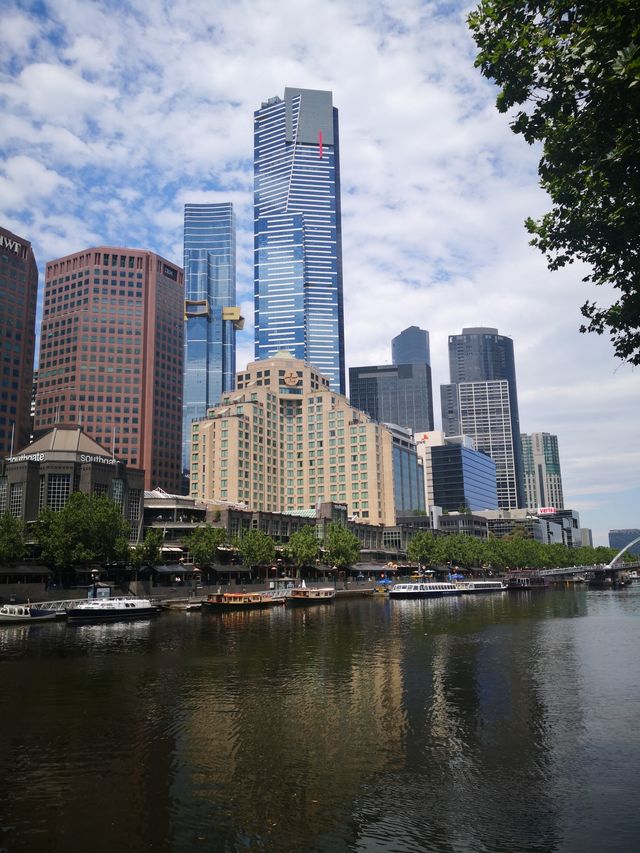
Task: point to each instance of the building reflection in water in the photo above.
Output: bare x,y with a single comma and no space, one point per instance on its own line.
359,725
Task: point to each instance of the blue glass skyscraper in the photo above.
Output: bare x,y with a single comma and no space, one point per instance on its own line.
211,315
298,234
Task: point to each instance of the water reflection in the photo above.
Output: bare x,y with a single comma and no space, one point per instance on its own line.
460,724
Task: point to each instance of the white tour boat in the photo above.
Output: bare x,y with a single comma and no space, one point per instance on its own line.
111,609
13,614
430,589
473,586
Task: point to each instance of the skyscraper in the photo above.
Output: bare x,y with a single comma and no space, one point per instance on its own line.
400,393
18,296
394,394
482,357
111,350
211,315
298,232
411,346
542,477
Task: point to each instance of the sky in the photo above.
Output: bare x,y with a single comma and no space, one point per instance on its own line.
115,113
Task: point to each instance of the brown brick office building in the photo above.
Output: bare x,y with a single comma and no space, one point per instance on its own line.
18,296
111,356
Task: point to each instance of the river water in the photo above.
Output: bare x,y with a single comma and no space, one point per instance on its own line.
499,723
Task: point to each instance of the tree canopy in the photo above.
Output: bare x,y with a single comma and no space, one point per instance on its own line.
574,70
303,547
204,542
421,548
88,529
12,538
256,548
342,547
149,552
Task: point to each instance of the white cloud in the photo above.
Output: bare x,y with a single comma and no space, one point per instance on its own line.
25,182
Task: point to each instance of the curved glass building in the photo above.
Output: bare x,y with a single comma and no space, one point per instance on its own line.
298,233
210,312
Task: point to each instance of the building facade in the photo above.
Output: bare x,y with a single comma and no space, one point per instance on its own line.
482,411
210,311
411,346
463,477
619,539
111,356
399,394
18,297
63,461
455,473
284,441
408,474
298,232
542,476
481,355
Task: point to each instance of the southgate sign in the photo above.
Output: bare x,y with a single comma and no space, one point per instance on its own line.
27,457
55,456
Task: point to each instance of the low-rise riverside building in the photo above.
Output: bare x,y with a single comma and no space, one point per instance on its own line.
285,442
63,461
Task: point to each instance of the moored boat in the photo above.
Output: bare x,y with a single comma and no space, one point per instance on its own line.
302,596
111,610
241,601
474,586
14,614
430,589
525,583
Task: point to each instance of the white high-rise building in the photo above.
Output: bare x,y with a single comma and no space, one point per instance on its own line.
542,477
482,410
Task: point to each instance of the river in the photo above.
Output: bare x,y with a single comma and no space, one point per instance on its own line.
490,723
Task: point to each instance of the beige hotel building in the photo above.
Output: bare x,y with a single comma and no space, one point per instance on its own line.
283,441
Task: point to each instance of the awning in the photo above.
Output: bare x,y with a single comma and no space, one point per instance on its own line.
230,569
171,570
25,570
172,549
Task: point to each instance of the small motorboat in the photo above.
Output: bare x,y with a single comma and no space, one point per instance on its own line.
14,614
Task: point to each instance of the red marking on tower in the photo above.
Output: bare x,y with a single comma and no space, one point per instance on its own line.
320,143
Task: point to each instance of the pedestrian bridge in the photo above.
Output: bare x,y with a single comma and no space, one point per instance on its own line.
601,568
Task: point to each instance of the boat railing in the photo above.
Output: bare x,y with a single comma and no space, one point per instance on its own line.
62,605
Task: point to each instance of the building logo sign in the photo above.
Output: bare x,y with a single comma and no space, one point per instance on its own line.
106,460
27,457
12,245
41,457
169,272
546,510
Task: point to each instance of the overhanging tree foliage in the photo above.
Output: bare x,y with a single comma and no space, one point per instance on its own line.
574,68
